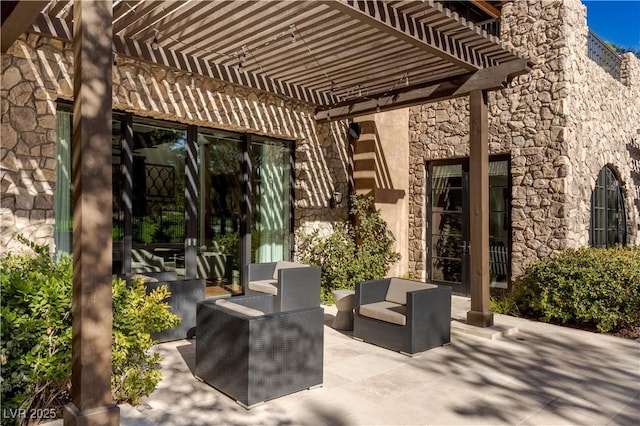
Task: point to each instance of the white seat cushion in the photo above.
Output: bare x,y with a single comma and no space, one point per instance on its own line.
398,289
264,286
236,307
385,311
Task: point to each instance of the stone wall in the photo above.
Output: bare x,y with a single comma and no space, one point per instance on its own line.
38,71
550,120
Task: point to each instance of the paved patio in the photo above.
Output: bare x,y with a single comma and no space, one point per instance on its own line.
536,374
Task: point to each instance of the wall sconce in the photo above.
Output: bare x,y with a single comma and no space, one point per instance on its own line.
354,130
335,200
154,43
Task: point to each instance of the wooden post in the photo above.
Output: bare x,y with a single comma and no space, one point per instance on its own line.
480,314
92,217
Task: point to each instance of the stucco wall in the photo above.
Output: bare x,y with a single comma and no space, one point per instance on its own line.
560,123
37,71
380,170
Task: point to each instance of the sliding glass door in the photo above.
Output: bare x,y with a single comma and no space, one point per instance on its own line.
220,211
190,201
158,199
272,200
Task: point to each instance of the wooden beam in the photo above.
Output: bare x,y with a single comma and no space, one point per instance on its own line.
59,29
17,16
394,22
92,217
487,8
485,79
480,314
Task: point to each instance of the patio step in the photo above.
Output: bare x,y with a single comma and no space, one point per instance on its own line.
494,332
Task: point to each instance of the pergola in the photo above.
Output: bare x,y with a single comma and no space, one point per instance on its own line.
344,57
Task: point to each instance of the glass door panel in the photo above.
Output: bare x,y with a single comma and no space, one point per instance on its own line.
118,209
159,182
448,255
448,226
499,223
271,209
220,199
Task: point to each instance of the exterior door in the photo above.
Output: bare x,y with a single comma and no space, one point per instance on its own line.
448,225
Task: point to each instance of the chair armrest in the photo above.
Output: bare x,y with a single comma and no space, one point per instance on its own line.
260,271
425,305
371,292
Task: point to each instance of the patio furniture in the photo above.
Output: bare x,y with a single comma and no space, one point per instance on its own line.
344,303
185,294
292,285
143,260
253,354
402,315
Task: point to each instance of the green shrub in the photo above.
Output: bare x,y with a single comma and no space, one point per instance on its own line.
590,286
36,333
351,253
135,372
36,329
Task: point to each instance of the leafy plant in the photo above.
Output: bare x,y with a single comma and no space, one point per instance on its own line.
134,370
36,329
351,252
35,350
590,286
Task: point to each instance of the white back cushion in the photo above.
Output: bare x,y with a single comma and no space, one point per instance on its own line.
283,264
399,287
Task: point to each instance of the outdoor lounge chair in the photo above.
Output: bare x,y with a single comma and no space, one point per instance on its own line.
292,285
144,261
402,315
253,354
185,294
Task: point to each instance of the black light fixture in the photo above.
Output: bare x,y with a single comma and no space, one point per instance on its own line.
335,200
354,130
154,43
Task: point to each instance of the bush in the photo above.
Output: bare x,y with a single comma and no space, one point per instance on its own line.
36,333
36,329
351,253
135,372
592,287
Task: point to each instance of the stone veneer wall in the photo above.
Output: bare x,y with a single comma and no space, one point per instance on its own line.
561,123
37,71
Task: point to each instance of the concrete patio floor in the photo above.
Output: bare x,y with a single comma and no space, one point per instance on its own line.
535,374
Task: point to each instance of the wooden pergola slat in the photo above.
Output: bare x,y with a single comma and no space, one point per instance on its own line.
58,28
384,17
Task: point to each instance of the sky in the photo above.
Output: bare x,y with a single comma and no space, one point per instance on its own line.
617,21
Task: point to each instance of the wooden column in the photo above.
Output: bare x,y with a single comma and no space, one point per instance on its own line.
92,217
480,314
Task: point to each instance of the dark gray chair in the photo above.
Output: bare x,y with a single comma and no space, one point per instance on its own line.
252,354
185,294
402,315
292,285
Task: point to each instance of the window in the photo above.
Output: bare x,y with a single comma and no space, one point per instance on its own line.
608,219
182,201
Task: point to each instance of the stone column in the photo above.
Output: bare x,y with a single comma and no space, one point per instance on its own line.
92,217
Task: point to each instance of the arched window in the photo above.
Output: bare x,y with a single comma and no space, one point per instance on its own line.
608,219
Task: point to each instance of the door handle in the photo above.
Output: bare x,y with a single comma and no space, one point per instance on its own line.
466,246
